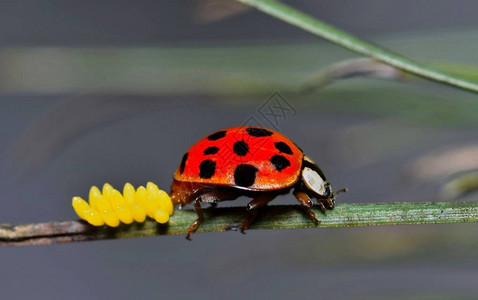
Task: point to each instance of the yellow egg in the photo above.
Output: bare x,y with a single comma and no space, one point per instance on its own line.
123,214
152,189
110,218
80,206
138,212
129,194
93,217
161,216
141,196
102,203
93,197
116,198
152,204
107,190
165,202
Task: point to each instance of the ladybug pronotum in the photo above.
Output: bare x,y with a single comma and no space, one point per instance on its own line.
248,161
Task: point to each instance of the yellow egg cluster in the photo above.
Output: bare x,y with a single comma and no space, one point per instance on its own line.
110,207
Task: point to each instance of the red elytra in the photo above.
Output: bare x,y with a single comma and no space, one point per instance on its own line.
237,147
256,162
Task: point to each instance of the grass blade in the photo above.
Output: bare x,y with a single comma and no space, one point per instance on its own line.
224,219
346,40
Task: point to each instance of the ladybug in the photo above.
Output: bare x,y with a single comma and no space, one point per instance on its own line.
248,161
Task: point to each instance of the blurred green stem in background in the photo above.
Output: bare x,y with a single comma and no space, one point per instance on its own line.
224,219
462,184
346,40
217,70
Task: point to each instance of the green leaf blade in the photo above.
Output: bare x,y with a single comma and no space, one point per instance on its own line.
348,41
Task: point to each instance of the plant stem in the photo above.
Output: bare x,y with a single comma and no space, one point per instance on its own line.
346,40
223,219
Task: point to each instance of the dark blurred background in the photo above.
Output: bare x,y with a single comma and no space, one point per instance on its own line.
116,91
119,23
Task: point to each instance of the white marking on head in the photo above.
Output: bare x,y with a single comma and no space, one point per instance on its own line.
313,181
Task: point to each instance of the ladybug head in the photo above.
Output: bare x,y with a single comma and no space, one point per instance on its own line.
316,183
314,179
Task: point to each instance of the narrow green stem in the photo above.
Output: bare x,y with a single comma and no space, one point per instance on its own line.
346,40
223,219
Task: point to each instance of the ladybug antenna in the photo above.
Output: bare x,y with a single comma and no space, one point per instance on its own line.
344,190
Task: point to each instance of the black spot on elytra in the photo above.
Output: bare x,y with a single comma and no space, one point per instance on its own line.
240,148
207,168
217,135
245,175
258,132
211,150
280,162
283,147
183,163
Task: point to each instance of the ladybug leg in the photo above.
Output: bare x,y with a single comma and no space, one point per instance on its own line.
252,209
330,203
306,203
199,212
322,206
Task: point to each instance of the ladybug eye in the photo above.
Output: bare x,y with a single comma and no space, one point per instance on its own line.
313,181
